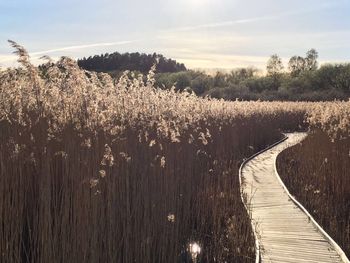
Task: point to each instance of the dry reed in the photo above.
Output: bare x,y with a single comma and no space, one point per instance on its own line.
94,169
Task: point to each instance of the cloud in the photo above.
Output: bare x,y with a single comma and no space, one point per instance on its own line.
78,47
194,58
5,58
222,24
10,60
228,23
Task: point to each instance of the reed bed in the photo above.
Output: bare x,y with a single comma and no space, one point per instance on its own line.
94,169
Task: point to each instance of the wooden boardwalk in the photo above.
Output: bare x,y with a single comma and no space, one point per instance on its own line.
285,231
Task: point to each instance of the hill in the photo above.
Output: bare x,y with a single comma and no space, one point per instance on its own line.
141,62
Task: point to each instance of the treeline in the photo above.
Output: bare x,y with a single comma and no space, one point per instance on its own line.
302,80
116,62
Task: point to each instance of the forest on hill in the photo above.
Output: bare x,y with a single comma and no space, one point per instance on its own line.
116,62
302,80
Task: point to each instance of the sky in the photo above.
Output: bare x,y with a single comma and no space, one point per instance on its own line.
200,33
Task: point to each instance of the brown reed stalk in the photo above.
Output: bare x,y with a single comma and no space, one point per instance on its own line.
100,170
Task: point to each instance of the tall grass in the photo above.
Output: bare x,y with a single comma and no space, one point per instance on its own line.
94,169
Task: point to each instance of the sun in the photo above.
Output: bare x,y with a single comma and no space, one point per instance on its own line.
199,3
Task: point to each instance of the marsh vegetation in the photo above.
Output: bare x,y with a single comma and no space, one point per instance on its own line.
96,169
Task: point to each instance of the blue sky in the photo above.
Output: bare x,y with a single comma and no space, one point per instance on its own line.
200,33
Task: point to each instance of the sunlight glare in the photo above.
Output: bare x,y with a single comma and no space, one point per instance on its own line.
199,3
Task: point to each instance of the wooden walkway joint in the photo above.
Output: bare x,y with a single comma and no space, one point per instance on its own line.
284,230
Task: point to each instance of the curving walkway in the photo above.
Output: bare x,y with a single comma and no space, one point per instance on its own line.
285,231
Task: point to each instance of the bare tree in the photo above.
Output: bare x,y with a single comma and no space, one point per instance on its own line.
296,65
311,59
274,66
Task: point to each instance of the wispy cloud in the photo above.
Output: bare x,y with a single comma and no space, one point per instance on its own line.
10,59
221,24
251,19
78,47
